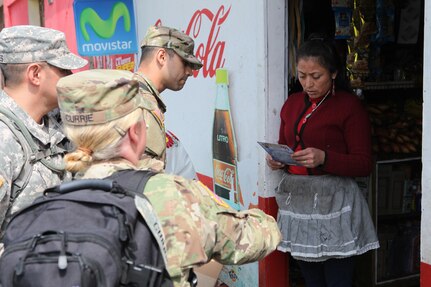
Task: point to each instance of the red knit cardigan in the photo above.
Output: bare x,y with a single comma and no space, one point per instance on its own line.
339,126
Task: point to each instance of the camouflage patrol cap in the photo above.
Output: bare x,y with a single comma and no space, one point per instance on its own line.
98,96
170,38
30,44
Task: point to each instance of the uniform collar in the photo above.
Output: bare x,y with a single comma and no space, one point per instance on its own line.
106,168
152,89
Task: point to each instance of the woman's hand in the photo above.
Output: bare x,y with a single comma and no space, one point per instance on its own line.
310,157
273,164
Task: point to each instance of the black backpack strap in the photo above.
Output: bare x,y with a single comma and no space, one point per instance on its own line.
38,153
134,181
20,182
70,186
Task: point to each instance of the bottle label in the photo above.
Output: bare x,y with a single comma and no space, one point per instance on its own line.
224,175
223,137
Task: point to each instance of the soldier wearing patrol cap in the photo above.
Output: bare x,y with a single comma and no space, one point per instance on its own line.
32,59
167,60
104,116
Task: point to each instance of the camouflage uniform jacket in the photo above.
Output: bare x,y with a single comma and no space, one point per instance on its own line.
12,158
198,226
152,94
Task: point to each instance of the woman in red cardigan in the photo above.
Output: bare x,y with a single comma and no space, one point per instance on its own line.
323,216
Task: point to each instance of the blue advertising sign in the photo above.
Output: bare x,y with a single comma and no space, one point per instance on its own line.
105,27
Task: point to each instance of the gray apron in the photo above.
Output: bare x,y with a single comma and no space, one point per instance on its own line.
322,217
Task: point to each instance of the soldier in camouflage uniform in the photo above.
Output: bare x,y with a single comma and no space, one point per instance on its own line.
103,115
167,61
32,59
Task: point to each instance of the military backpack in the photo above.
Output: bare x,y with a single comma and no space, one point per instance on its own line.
87,233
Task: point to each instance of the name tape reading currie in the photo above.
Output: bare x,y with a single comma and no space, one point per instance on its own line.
79,118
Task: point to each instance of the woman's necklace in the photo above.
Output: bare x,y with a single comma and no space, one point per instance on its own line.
315,108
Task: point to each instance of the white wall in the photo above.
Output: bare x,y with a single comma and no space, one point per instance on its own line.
426,142
254,56
275,87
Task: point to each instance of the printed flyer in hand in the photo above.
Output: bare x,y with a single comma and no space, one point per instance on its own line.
279,152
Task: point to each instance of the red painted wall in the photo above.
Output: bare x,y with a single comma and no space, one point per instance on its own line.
15,12
425,275
59,15
274,269
208,181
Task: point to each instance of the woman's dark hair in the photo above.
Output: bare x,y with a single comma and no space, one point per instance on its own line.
322,48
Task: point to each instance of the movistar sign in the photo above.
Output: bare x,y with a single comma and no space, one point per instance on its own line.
105,27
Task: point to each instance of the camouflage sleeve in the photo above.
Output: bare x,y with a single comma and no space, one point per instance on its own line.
11,158
241,237
198,226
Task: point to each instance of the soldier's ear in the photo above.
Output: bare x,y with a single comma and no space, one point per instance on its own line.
33,73
161,56
134,145
137,134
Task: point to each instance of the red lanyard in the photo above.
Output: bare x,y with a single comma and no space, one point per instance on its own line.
315,103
